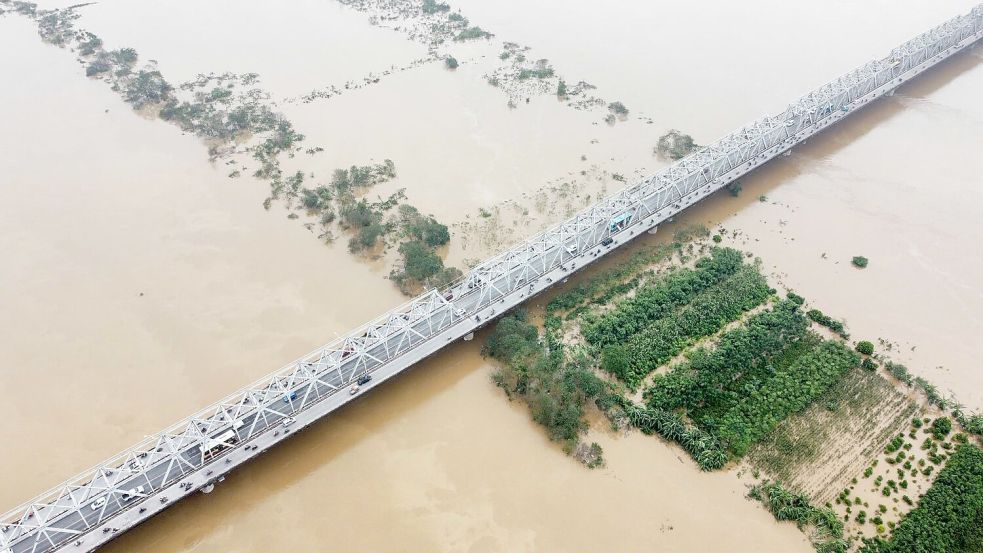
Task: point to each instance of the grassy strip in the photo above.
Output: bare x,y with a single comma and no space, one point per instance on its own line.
949,517
658,300
606,285
668,336
787,505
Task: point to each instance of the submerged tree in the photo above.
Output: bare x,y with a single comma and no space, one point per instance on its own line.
675,145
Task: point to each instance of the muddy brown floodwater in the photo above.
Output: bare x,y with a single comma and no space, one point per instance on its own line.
139,283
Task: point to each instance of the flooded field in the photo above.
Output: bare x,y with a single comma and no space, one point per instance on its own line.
139,283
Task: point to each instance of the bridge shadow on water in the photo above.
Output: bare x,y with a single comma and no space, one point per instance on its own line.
337,434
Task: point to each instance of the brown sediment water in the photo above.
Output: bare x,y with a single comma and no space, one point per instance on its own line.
139,283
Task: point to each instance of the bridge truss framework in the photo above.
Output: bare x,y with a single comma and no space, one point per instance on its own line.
92,508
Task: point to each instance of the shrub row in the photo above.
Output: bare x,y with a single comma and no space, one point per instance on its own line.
659,299
714,379
788,505
788,391
827,321
702,446
669,335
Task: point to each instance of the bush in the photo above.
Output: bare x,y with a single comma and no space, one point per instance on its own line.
614,359
473,33
513,338
899,371
97,67
859,261
431,7
617,108
825,320
675,145
419,261
869,364
426,229
865,347
941,427
539,73
450,62
561,89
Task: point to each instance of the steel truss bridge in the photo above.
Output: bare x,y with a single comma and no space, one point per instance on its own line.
95,506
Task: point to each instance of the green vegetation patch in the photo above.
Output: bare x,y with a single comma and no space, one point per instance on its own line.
788,391
949,517
603,287
534,369
756,376
473,33
618,108
709,311
675,145
827,321
431,7
657,300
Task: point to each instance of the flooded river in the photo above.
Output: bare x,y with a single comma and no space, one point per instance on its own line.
139,283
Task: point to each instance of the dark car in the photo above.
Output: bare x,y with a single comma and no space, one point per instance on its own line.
364,379
607,241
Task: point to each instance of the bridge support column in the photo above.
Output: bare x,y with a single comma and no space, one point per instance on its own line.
469,337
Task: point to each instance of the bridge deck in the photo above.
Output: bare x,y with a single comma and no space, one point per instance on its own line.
91,509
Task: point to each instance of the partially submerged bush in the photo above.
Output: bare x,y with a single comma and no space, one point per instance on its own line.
865,347
675,145
617,108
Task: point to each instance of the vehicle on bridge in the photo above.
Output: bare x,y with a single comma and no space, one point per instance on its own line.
220,443
135,492
619,222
